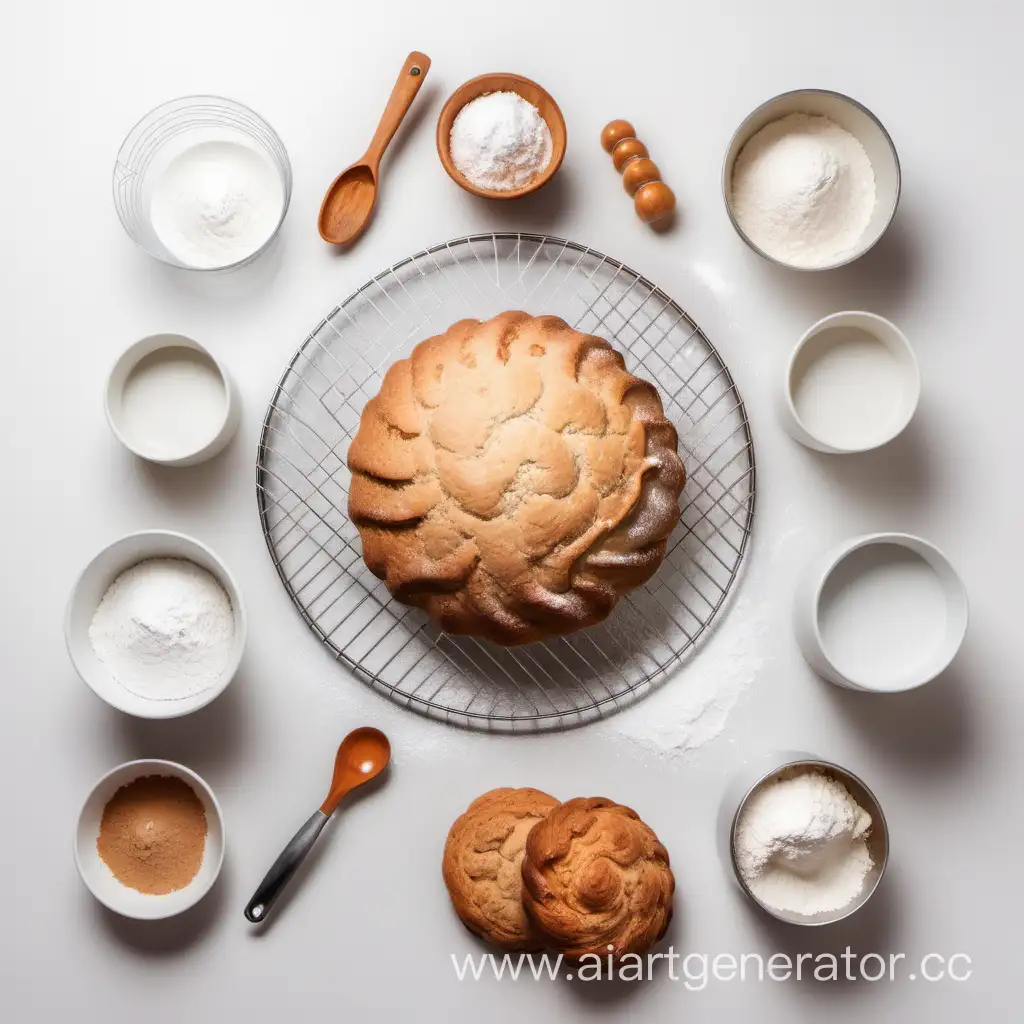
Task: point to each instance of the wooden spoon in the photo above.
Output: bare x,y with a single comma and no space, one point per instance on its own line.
350,200
364,753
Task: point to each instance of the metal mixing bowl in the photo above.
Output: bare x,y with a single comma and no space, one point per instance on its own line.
860,123
877,839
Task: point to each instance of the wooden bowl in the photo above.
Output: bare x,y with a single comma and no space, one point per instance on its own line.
500,82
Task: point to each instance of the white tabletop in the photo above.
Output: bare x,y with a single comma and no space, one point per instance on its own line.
369,928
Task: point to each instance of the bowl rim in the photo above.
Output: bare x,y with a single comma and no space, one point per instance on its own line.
913,377
165,709
193,778
826,766
952,584
128,358
456,102
286,180
727,166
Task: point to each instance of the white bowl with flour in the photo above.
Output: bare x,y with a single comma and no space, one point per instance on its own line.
884,612
156,625
811,180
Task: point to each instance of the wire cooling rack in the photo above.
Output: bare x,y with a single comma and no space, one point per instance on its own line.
302,485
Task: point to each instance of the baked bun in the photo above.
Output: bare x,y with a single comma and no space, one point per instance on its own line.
482,864
595,876
513,480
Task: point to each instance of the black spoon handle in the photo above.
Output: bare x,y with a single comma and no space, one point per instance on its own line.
284,867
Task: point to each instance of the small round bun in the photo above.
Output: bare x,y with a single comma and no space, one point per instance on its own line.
482,865
594,877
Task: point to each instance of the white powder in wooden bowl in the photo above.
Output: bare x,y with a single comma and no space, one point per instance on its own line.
500,141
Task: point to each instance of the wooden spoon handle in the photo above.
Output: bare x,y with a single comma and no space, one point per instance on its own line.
409,81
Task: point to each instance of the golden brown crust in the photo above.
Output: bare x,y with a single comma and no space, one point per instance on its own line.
482,864
594,876
513,479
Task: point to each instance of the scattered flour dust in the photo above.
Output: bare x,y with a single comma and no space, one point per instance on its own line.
691,707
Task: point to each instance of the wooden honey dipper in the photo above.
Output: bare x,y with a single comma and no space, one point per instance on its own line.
652,198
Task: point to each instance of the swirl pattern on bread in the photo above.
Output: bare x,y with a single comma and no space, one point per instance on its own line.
482,864
594,877
513,479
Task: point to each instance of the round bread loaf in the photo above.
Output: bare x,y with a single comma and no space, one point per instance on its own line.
482,864
596,880
513,480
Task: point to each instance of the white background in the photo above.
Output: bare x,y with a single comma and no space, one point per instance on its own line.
369,931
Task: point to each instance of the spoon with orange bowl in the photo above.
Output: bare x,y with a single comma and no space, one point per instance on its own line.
364,753
349,202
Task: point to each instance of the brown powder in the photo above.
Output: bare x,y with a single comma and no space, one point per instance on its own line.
153,834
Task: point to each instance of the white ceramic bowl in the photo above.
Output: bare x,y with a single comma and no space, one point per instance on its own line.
765,767
877,396
94,582
171,450
99,879
855,585
860,123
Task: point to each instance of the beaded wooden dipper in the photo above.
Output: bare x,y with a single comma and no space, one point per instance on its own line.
652,198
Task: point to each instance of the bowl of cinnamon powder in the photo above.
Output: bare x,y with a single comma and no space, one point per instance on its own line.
150,840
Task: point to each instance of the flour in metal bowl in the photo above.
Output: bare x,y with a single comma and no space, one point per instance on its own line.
803,191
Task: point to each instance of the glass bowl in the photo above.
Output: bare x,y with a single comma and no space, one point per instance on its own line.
168,131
